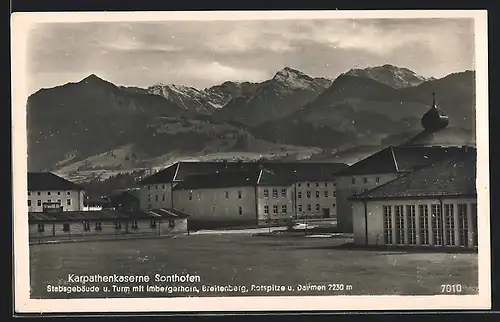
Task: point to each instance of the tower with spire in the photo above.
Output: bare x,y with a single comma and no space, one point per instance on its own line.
434,120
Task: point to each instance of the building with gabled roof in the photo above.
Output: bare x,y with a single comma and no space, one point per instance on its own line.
419,193
46,189
435,205
239,193
106,223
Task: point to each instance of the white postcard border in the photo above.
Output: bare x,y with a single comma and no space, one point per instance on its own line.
21,23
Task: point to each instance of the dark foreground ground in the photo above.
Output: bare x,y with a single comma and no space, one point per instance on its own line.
284,266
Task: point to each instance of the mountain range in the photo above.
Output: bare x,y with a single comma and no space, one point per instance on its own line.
95,127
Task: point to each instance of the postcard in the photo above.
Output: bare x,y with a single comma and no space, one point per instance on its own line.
250,161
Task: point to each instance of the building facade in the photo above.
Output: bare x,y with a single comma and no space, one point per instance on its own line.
432,206
243,193
46,189
72,224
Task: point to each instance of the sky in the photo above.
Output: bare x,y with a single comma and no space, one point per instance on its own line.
205,53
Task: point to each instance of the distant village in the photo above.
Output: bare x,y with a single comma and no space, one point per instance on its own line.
420,193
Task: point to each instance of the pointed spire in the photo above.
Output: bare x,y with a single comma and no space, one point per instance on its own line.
434,119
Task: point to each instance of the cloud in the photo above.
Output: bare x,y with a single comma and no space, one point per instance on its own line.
202,53
216,72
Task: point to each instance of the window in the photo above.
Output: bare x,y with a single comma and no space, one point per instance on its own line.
163,198
299,184
118,225
163,186
149,187
149,205
156,186
41,228
317,207
226,194
317,184
38,193
365,180
334,194
29,193
66,227
266,193
474,223
299,195
48,193
190,195
353,181
437,225
334,205
59,193
308,193
38,203
463,225
152,224
326,184
29,203
387,225
156,198
283,209
59,201
68,193
275,193
135,226
377,180
86,225
400,225
98,226
49,201
317,194
149,198
171,223
266,209
68,202
325,193
354,193
365,190
300,208
275,210
283,193
240,210
412,222
309,208
239,194
423,212
308,184
449,222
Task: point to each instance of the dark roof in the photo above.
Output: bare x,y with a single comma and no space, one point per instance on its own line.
306,171
49,181
106,215
453,176
396,159
449,136
300,171
219,180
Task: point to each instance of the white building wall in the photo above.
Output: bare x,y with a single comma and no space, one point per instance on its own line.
319,197
231,204
375,221
71,200
156,196
347,186
282,201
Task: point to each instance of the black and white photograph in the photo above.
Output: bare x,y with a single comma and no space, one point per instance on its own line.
245,161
